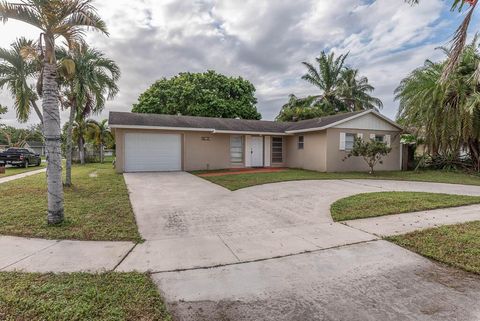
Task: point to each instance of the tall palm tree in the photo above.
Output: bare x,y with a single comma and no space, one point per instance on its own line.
100,133
460,36
15,71
342,90
326,78
54,18
355,92
448,112
93,82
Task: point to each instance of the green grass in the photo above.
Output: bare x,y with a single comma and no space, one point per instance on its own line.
234,182
385,203
97,207
9,171
456,245
79,296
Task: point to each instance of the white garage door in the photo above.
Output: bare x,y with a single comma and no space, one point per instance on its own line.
146,152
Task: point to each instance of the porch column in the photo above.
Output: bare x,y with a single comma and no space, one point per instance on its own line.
267,148
248,150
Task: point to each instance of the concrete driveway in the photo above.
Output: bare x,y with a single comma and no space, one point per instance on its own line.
272,252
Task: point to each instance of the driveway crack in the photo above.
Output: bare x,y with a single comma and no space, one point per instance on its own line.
228,247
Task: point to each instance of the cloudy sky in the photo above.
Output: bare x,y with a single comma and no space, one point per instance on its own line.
264,41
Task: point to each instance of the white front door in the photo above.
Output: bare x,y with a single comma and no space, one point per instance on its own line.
256,152
151,152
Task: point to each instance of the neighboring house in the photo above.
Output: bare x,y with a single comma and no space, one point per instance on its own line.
152,142
37,146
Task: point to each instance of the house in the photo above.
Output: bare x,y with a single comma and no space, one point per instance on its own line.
153,142
37,146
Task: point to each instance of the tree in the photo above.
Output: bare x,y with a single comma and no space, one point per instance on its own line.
371,151
15,72
3,110
92,82
460,36
297,109
447,113
100,133
55,18
205,94
16,137
341,90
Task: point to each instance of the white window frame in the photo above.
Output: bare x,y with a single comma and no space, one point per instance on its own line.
239,149
347,146
301,144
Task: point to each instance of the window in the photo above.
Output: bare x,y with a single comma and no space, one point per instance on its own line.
380,138
236,149
277,149
300,142
349,141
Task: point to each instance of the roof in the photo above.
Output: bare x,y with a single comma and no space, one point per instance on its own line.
34,144
229,125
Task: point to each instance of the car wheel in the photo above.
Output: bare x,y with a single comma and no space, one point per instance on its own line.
38,163
25,164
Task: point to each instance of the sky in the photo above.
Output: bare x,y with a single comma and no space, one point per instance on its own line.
264,41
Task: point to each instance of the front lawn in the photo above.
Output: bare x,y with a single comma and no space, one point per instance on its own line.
97,207
385,203
79,296
9,171
456,245
234,182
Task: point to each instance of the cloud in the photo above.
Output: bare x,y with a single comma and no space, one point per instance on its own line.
260,40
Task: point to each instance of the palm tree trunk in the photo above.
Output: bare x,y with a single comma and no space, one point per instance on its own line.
68,175
52,133
37,110
81,149
101,153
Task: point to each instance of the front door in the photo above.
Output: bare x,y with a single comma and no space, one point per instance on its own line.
257,151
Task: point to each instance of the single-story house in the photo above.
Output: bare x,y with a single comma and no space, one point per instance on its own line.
37,146
153,142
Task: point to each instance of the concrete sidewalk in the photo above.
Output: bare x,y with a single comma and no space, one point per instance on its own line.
39,255
22,175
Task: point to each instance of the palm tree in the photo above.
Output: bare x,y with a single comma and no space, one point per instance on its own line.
355,92
94,81
326,78
342,90
100,133
55,18
15,71
446,112
460,35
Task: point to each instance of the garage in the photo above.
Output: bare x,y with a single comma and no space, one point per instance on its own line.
151,152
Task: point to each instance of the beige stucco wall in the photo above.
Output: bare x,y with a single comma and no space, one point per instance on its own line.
197,154
312,156
335,155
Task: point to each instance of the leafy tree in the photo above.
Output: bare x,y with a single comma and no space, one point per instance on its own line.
460,36
447,113
207,94
55,18
342,90
15,71
371,151
92,82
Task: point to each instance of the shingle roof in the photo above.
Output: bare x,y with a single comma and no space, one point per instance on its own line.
122,118
33,143
119,119
321,122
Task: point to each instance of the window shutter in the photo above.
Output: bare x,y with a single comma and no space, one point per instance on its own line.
342,141
360,136
372,136
387,140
